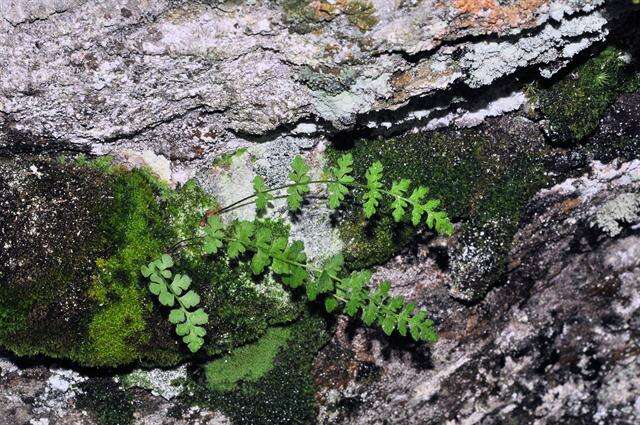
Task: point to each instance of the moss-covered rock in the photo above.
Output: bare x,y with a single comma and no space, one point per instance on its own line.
248,363
75,236
574,104
278,390
483,176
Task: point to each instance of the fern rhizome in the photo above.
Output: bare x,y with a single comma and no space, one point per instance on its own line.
329,283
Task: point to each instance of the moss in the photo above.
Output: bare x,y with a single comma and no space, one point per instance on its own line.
115,331
106,401
284,394
482,176
575,104
248,363
73,288
373,242
41,285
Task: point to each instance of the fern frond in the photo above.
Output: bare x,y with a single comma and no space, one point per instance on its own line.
300,178
374,183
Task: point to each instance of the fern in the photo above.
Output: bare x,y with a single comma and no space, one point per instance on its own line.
301,181
253,241
373,195
177,294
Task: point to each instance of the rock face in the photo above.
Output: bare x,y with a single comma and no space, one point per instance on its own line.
184,77
555,344
537,328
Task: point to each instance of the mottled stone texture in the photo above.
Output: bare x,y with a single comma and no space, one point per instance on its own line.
556,344
184,77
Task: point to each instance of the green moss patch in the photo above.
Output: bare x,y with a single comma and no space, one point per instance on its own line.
279,390
483,177
70,283
575,104
247,363
106,402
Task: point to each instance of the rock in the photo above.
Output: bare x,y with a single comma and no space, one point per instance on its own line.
554,344
231,179
180,76
32,394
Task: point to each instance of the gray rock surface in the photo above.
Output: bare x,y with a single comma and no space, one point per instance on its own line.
188,78
556,344
42,395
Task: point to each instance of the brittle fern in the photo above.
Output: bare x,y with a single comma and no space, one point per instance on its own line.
339,290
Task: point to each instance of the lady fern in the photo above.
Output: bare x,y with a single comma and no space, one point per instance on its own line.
253,241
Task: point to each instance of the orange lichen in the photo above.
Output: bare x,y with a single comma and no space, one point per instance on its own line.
491,15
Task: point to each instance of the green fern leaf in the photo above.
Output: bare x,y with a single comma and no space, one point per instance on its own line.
155,288
388,324
374,183
180,283
403,318
164,262
280,264
166,298
260,261
177,316
300,180
398,190
190,299
370,314
418,210
263,196
296,278
213,235
243,231
342,175
330,304
199,317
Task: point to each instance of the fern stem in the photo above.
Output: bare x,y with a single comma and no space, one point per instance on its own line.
275,189
251,198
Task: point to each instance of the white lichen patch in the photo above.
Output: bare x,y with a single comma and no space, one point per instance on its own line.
624,208
167,384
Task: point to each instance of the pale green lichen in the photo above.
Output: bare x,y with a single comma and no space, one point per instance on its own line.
624,208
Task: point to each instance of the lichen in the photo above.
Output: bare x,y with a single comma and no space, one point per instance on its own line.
624,208
361,14
305,15
166,383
